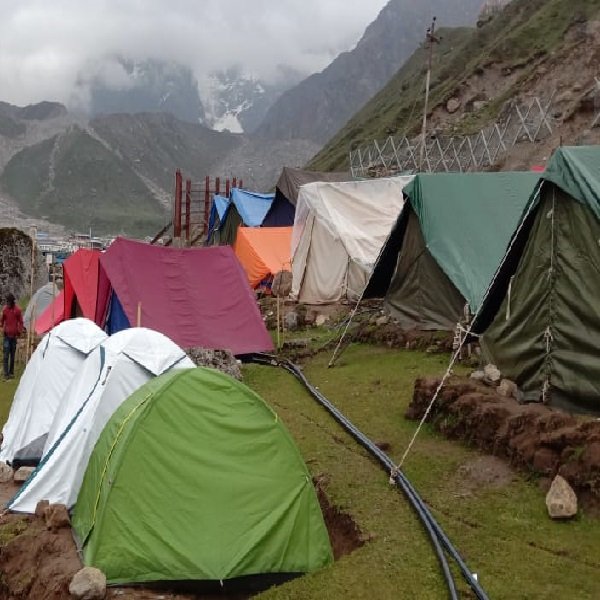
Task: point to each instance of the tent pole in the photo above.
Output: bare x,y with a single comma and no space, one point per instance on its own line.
139,315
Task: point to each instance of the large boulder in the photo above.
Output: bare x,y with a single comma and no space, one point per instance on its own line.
222,360
88,583
15,264
56,517
22,474
561,500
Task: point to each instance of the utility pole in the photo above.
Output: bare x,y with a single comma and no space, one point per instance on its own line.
431,40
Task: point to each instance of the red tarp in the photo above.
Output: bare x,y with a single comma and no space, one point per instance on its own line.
195,296
78,297
80,272
45,322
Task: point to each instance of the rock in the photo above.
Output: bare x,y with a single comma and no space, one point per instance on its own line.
6,472
566,96
478,375
561,500
291,321
479,104
41,507
492,374
383,320
508,389
21,475
88,583
222,360
56,517
452,105
321,320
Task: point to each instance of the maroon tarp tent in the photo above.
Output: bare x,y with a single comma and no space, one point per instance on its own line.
195,296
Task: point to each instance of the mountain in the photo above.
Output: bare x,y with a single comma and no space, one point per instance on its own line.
320,105
238,102
532,48
115,173
144,86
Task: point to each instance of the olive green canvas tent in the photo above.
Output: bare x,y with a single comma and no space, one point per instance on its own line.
542,312
446,245
195,478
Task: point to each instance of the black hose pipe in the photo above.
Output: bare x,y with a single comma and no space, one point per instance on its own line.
434,530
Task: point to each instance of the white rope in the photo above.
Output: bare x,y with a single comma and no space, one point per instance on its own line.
348,323
455,356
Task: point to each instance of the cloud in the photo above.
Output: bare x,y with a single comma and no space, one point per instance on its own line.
48,47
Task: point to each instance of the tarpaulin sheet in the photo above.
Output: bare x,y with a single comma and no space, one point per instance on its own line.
253,208
467,221
291,180
53,315
218,211
338,233
81,284
195,296
263,251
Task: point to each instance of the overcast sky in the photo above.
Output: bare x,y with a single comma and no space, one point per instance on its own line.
45,45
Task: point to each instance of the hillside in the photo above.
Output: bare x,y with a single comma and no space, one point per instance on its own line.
544,48
320,105
115,173
74,180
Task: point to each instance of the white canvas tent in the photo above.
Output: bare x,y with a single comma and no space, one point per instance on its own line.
39,302
118,367
55,362
338,233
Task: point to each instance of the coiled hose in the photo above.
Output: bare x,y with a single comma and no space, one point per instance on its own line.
438,537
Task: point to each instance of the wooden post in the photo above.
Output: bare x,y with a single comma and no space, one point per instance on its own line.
241,184
206,204
227,188
139,315
278,312
432,40
188,209
177,207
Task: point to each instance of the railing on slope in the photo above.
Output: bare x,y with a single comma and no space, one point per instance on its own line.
518,122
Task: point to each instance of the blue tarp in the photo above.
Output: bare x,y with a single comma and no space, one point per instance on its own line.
219,208
253,208
117,319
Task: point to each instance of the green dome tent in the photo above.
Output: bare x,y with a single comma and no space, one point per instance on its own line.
195,479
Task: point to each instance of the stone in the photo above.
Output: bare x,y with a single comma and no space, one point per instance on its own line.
492,373
88,583
452,105
291,321
41,507
320,320
56,517
479,104
22,474
382,320
508,389
222,360
566,96
478,375
6,472
561,500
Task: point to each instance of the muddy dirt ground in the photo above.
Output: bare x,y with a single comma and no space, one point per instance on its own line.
37,564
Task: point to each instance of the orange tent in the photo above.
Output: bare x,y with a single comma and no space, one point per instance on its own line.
263,251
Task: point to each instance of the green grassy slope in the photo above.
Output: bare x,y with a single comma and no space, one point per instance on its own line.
525,30
89,186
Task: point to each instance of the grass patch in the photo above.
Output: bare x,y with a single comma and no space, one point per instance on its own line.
494,528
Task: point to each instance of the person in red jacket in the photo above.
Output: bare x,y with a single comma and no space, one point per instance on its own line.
11,322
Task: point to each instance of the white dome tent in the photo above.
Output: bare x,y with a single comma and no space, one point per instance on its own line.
118,367
49,372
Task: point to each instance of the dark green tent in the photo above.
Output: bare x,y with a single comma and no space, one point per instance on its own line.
543,317
195,478
447,244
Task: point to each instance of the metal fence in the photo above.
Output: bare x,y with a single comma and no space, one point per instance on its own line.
518,122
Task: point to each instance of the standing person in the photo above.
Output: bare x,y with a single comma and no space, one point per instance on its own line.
11,322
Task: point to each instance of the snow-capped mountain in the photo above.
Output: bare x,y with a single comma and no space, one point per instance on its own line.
238,102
